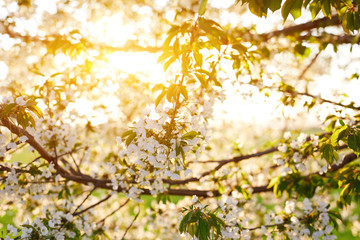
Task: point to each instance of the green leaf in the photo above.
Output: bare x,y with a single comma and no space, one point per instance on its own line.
177,149
338,135
203,230
171,93
306,3
221,189
184,92
273,5
257,7
202,7
157,87
7,109
35,109
292,7
350,21
353,142
216,82
127,133
130,138
55,74
164,56
212,29
160,97
190,135
176,47
326,8
37,72
328,153
274,181
169,62
201,79
197,55
174,30
184,221
314,9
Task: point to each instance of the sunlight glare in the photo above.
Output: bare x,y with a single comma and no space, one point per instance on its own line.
139,62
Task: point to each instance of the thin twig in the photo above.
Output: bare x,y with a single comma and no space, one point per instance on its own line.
308,66
89,194
351,105
127,229
113,212
92,206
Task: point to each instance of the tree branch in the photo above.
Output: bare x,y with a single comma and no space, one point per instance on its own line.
319,23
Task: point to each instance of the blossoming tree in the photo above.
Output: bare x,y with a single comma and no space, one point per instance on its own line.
90,150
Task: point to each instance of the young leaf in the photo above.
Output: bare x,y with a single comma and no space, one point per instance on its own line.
184,92
273,5
190,135
184,221
325,7
293,7
160,97
353,142
130,138
202,7
338,135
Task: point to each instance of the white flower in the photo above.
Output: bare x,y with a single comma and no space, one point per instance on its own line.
278,161
324,217
25,232
287,135
290,206
328,229
57,178
323,170
278,220
20,101
294,144
23,138
187,172
263,229
302,138
282,148
194,199
321,206
51,223
267,219
330,237
315,140
44,230
2,139
30,130
316,235
304,232
118,141
46,173
301,167
175,176
286,171
180,217
12,230
294,220
12,145
8,100
297,157
307,206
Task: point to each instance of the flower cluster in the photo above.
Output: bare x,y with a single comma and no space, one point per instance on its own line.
296,221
